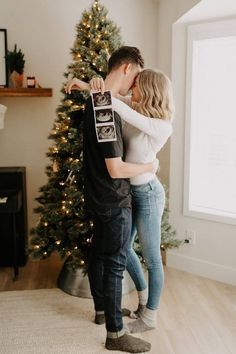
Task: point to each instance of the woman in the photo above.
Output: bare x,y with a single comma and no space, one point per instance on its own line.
147,115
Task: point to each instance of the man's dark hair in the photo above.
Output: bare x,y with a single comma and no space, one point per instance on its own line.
125,55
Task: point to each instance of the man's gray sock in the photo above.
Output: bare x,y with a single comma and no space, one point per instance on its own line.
128,344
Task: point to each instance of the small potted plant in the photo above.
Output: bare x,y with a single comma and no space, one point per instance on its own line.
15,63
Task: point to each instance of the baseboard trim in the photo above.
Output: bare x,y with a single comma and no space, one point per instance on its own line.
201,267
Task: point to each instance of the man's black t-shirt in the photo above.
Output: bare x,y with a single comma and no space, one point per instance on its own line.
100,189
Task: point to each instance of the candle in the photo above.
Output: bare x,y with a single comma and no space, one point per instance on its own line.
31,81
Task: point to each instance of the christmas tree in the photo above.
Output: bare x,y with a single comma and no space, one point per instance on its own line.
168,234
63,225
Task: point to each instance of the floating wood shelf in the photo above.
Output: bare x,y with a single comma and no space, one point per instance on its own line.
25,92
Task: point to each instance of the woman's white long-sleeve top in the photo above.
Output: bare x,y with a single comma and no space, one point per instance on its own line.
144,137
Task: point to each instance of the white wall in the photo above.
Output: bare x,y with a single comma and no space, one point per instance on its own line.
45,31
214,254
168,12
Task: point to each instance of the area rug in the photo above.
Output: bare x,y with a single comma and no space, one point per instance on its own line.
48,321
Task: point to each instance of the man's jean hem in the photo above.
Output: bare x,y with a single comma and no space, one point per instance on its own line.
114,335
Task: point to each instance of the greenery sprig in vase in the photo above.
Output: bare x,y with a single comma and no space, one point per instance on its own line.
15,64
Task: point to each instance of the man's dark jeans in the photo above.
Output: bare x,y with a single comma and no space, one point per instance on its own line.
112,232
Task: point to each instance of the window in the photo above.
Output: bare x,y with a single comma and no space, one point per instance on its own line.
210,140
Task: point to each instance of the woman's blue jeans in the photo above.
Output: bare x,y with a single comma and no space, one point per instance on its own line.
148,202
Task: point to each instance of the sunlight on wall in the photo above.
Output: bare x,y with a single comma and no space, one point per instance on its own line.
212,141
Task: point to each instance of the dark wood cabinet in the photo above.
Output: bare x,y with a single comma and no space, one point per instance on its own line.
13,216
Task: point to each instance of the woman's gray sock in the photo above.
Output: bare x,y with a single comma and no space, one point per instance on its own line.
138,326
146,322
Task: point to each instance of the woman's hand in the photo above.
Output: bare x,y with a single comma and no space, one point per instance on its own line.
76,84
97,84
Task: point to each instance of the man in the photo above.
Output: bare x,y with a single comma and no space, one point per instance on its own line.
107,195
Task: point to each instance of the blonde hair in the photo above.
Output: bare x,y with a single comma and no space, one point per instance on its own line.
156,95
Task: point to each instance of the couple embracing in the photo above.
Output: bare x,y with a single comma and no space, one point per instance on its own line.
123,193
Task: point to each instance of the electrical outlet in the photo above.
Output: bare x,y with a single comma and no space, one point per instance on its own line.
190,237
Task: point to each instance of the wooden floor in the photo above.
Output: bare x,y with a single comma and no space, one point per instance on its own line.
35,275
196,316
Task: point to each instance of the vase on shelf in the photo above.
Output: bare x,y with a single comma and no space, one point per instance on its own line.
16,80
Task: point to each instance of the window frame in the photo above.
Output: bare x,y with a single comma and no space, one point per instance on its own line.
206,30
3,61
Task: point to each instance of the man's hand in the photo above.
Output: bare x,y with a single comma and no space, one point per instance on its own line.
76,84
120,169
97,84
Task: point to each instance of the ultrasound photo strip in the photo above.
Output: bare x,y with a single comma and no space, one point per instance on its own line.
104,116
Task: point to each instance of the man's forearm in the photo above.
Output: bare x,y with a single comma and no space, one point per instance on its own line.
127,170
